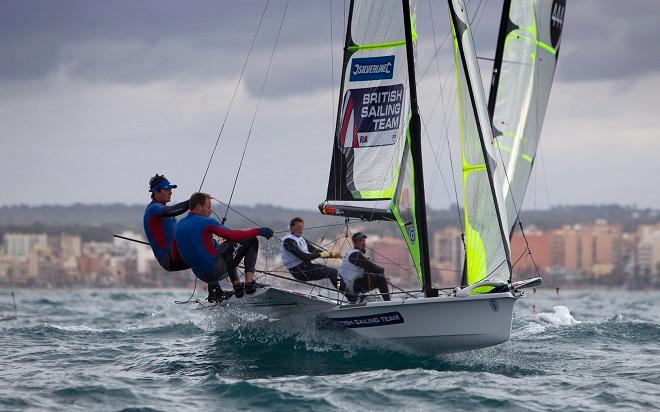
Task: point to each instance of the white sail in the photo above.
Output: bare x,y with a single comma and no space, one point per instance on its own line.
487,245
524,68
374,104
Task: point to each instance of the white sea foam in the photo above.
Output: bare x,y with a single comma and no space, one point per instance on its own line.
81,328
532,328
561,316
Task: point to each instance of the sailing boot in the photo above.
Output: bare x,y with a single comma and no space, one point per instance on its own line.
217,294
250,287
239,290
213,292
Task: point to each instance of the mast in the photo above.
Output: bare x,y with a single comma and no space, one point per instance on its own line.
460,27
416,152
497,64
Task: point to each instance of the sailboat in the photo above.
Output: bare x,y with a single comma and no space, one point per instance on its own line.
377,158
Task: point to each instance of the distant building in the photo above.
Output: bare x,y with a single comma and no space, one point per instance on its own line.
448,255
39,257
20,244
594,249
96,249
143,253
648,250
448,247
392,254
70,246
541,247
70,253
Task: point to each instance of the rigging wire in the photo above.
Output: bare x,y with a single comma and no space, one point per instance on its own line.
256,110
231,102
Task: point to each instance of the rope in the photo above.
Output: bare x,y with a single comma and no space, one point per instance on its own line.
256,110
231,102
179,302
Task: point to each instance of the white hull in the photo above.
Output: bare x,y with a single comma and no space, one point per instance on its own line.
432,325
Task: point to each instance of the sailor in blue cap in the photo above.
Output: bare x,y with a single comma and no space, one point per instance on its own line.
159,223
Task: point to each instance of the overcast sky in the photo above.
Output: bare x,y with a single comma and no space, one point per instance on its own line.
96,97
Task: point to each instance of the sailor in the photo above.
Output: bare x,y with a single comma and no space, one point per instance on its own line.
211,261
159,223
298,253
359,273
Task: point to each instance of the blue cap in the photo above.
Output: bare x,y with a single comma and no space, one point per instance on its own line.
163,184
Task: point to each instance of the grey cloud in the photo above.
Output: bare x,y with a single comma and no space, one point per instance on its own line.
137,41
609,40
141,42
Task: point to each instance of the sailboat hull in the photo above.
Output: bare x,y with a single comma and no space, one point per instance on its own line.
279,303
433,325
430,325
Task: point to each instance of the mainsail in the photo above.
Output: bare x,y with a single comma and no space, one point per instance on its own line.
376,148
525,61
374,106
487,244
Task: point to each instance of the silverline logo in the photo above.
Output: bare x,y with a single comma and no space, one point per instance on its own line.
372,68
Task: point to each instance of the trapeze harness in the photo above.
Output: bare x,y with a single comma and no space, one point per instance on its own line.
289,259
348,271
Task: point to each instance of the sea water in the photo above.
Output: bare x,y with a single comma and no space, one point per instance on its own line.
138,350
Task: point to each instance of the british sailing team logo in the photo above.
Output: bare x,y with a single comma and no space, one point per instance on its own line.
372,68
371,116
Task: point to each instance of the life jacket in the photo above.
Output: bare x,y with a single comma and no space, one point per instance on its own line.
348,271
289,259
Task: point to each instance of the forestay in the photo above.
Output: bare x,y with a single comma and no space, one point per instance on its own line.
524,68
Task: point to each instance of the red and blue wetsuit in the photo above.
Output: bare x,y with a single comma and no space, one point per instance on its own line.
159,224
194,237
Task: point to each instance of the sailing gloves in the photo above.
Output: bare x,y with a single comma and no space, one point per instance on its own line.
266,232
330,255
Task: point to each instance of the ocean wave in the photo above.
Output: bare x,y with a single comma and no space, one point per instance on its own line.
93,395
389,389
44,301
177,328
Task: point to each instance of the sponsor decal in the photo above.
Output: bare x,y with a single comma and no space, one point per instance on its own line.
371,116
381,319
372,68
494,305
411,234
556,21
